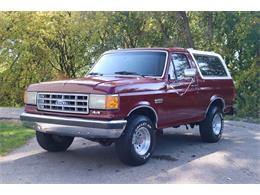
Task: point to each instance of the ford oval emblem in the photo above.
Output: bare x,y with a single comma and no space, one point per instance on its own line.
60,102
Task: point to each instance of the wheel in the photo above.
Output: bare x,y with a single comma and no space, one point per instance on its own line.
53,143
159,132
138,141
212,127
106,142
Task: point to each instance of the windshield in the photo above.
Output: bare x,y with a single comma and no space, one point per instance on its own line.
142,63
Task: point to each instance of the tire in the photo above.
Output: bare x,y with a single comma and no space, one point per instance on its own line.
53,143
106,143
128,149
211,128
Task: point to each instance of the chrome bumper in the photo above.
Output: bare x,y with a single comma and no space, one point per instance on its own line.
76,127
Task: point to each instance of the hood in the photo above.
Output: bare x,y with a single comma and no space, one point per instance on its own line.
99,85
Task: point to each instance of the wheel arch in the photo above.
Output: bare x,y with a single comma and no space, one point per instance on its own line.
145,110
216,101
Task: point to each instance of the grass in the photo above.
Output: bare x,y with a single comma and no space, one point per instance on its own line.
13,135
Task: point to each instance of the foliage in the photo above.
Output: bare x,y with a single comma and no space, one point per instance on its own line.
13,135
248,92
40,46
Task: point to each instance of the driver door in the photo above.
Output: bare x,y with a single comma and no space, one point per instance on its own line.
182,92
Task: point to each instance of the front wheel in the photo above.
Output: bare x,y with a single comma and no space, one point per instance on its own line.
211,128
137,143
53,143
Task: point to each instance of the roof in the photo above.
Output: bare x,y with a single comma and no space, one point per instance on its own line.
170,49
154,48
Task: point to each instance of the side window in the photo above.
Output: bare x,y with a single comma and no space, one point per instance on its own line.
210,66
171,71
180,62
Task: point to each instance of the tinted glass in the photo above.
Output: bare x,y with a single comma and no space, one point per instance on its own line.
210,66
143,63
180,62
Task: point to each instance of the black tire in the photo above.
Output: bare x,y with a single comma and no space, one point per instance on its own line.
106,142
53,143
207,132
126,149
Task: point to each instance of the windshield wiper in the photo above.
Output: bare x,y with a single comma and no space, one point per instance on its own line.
95,74
128,73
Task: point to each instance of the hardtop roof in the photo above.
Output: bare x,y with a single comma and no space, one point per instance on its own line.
178,49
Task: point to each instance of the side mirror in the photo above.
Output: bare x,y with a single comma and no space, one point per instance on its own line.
191,72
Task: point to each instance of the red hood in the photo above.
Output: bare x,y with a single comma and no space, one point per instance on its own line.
99,84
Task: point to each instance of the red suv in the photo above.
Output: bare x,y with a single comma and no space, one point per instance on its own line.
128,96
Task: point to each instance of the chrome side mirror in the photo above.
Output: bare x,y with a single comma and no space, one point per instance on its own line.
191,72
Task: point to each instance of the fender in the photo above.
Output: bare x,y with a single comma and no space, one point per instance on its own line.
145,105
213,99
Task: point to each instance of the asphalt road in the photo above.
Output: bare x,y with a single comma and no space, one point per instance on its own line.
180,157
10,113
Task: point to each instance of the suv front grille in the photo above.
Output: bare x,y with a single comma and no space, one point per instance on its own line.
63,102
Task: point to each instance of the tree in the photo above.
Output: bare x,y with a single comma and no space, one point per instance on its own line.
40,46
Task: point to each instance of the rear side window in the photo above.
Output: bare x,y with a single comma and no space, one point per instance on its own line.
210,66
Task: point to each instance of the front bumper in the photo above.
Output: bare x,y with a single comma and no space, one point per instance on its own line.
75,127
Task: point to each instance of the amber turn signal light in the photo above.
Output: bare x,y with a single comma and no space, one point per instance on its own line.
112,102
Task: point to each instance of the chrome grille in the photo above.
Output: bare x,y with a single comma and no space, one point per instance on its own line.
63,102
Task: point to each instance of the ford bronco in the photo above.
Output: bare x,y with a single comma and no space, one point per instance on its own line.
128,96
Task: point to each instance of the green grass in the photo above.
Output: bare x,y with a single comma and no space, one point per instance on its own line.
12,135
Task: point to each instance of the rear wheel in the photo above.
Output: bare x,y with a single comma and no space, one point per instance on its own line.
211,128
137,143
106,142
53,143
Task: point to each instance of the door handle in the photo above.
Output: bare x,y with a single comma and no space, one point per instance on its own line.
169,86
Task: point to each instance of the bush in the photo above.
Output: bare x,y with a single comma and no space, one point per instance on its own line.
248,92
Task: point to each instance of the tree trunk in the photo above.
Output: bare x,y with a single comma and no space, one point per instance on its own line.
186,28
210,29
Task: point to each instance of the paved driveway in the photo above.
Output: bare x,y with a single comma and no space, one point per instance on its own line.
10,113
180,157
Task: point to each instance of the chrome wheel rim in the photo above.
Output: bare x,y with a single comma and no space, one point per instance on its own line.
217,124
141,141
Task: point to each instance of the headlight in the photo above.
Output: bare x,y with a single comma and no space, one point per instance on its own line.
30,97
104,101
